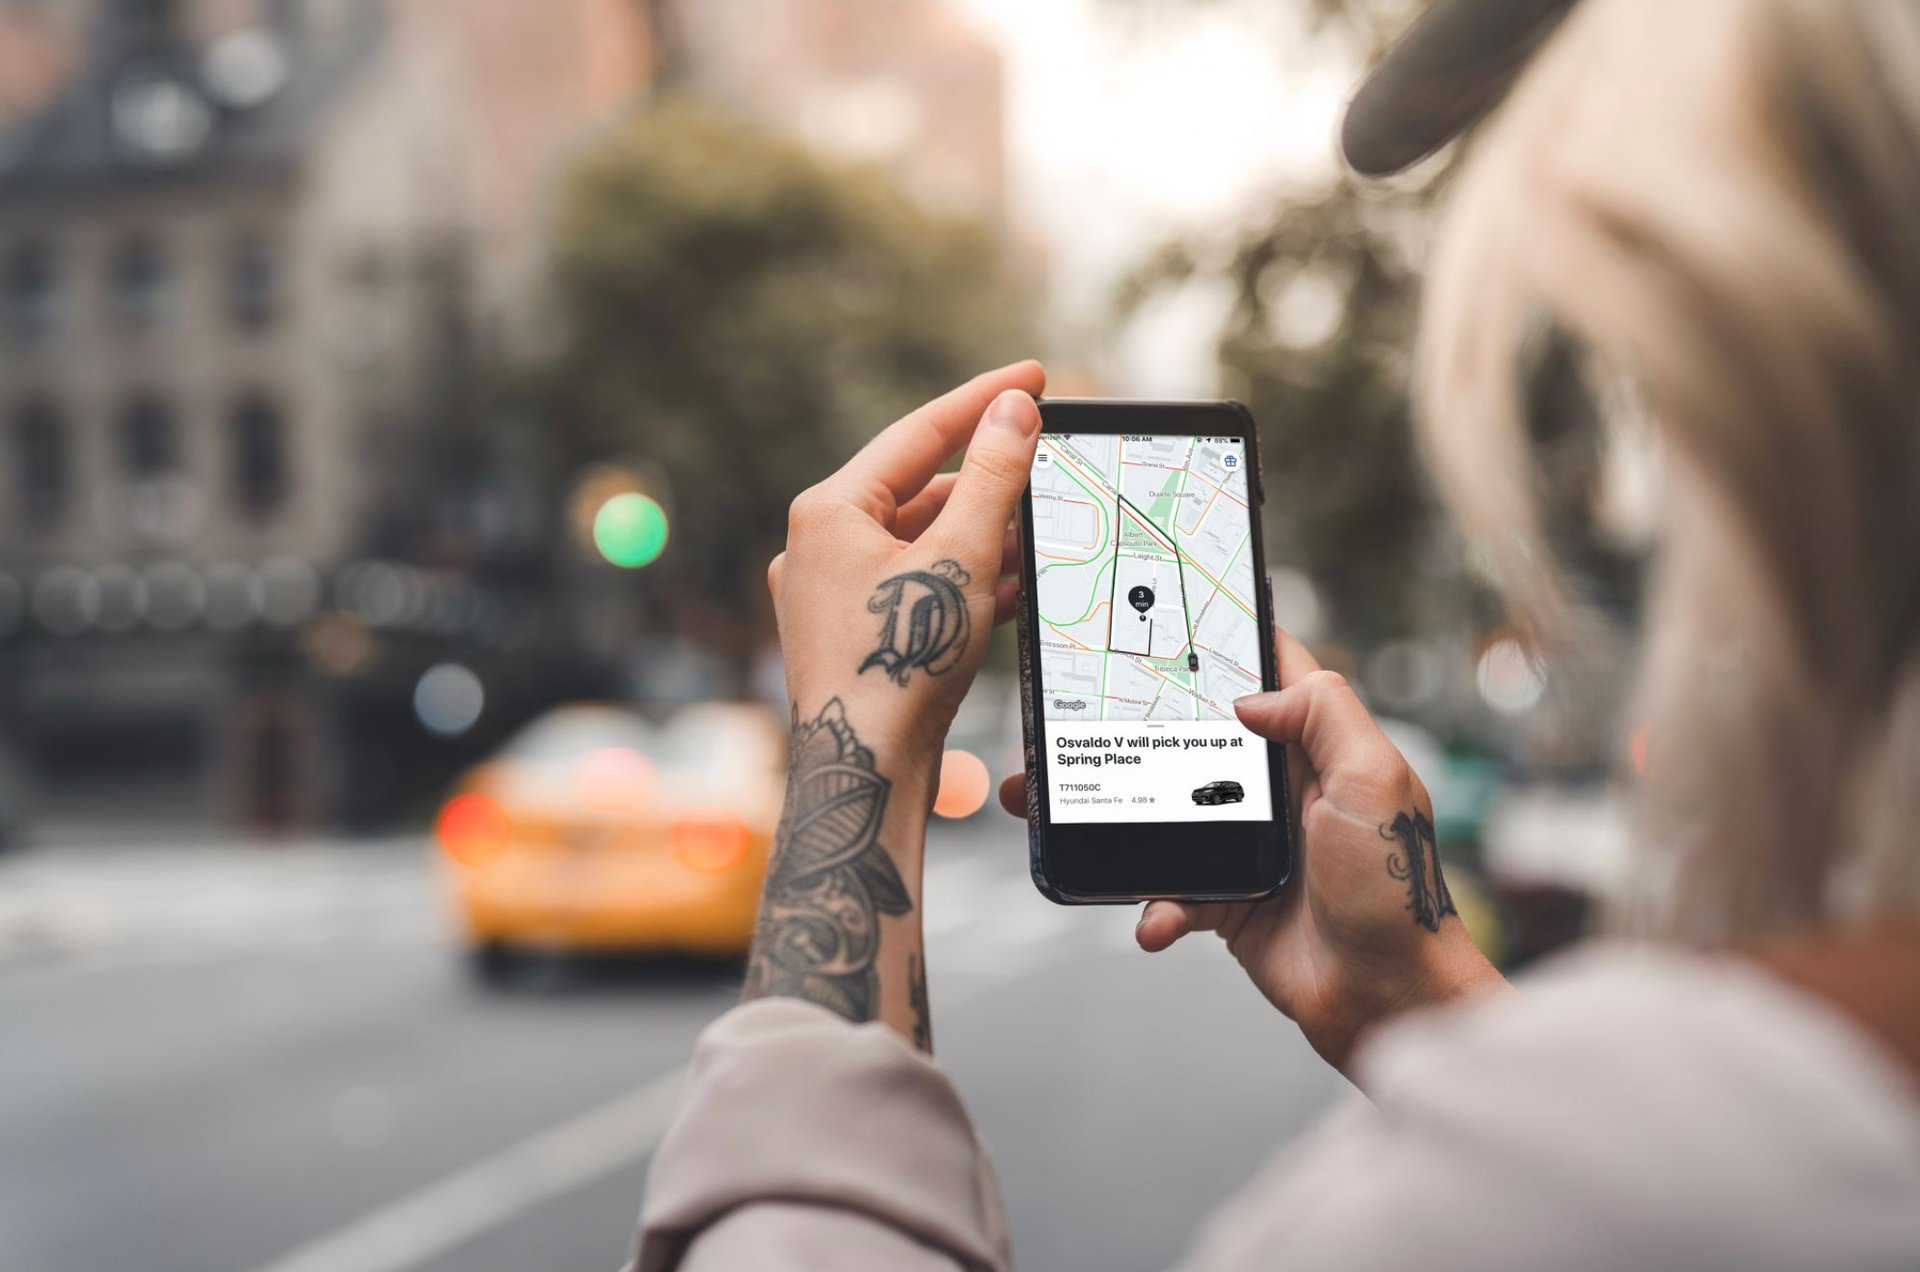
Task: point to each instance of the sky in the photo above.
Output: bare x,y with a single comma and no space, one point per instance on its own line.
1126,129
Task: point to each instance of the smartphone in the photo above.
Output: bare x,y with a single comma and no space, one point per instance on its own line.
1145,610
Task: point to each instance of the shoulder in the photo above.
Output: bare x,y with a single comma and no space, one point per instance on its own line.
1629,1108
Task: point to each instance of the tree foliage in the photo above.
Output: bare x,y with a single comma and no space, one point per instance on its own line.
1316,342
739,316
1324,284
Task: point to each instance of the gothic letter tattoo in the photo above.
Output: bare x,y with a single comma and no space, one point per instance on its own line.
830,879
1418,858
936,626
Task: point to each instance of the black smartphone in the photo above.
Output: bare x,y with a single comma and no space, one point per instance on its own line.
1145,610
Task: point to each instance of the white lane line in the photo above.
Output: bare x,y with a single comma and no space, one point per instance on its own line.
22,978
497,1188
512,1181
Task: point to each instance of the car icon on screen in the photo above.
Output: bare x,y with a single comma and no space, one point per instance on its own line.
1219,793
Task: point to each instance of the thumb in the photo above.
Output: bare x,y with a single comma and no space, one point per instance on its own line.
998,464
1324,717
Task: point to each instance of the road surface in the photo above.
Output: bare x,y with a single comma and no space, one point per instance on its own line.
267,1061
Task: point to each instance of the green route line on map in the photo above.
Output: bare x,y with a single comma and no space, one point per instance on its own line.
1186,614
1153,525
1093,599
1100,538
1192,691
1200,569
1181,557
1097,496
1180,561
1245,539
1106,657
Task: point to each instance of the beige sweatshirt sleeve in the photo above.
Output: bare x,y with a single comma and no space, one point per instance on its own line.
807,1142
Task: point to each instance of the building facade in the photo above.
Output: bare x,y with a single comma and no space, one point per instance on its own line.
256,257
251,253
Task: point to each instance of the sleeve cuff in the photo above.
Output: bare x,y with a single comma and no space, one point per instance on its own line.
788,1102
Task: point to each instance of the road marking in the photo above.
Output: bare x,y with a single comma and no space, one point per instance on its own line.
514,1180
55,972
498,1188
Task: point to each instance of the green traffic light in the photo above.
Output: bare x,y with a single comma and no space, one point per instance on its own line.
630,530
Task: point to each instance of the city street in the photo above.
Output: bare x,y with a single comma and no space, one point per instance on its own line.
235,1060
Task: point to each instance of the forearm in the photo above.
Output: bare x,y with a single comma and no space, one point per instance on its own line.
840,921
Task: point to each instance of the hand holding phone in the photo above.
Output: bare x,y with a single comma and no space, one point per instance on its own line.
1368,927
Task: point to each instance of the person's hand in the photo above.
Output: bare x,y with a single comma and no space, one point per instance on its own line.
885,597
1367,927
891,581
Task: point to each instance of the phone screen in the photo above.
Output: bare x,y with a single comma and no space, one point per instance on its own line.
1148,628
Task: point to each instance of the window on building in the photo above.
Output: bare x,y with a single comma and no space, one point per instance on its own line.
32,293
149,440
259,452
142,284
253,283
40,466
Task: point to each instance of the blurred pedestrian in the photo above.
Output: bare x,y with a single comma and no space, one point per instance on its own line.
1714,200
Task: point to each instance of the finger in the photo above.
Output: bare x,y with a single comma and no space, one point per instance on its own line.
1013,794
993,475
1296,660
1006,600
1164,922
897,465
774,570
1322,715
1010,554
1161,924
918,512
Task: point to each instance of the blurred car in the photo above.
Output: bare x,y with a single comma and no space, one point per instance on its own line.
599,829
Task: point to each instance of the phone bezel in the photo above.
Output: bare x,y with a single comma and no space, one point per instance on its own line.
1120,863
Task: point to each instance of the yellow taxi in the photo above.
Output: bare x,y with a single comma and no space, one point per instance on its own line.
599,829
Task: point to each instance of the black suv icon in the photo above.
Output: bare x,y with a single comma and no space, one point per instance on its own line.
1219,793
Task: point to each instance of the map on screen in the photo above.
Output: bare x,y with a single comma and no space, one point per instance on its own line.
1145,583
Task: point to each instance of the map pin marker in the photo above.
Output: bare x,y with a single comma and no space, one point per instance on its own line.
1141,598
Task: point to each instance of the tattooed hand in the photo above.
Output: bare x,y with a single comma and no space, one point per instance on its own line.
1368,926
893,573
892,578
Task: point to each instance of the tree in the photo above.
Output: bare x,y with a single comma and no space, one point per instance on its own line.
739,316
1317,343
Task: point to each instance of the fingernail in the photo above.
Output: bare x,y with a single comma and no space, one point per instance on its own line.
1015,410
1250,700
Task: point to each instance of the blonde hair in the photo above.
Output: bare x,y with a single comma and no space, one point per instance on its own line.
1719,200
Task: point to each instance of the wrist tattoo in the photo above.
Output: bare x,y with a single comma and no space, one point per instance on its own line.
936,627
917,998
830,879
1418,863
